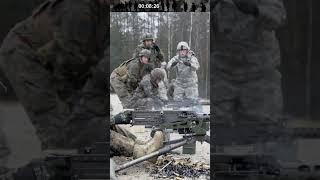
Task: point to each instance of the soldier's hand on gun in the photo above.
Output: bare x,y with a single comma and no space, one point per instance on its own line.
247,6
174,63
187,63
156,47
149,66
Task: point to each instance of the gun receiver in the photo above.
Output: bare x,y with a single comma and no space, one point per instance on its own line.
184,122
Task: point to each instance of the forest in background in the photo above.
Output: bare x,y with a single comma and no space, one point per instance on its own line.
127,29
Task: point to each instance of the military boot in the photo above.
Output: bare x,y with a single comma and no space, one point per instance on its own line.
152,145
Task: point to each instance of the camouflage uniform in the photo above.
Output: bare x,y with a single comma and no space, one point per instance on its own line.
186,82
123,142
53,61
150,94
246,83
156,56
126,77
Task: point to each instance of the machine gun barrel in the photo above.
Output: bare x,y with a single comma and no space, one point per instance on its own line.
161,151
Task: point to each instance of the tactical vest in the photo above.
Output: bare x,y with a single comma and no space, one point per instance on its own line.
122,70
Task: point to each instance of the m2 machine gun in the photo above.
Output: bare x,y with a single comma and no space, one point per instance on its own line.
191,125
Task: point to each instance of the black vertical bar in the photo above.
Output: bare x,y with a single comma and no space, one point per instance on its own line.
308,64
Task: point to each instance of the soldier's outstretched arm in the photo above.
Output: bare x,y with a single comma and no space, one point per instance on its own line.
272,13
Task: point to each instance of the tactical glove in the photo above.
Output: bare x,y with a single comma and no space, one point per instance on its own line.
247,7
187,63
174,63
149,67
156,47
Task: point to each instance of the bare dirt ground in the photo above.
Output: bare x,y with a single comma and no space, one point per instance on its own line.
144,170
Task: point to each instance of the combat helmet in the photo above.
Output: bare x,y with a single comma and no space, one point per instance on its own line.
145,52
183,45
147,36
157,74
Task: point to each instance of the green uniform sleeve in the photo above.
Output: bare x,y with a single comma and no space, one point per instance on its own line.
133,77
160,56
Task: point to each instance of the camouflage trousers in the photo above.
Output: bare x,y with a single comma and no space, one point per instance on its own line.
63,115
121,141
183,91
120,89
255,100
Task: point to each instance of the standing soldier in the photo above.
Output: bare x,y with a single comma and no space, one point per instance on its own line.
125,78
186,82
246,83
54,62
151,91
156,56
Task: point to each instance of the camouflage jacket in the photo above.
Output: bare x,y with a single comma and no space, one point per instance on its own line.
185,74
131,72
156,57
147,89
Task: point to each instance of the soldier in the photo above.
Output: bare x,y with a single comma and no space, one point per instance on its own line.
156,56
186,82
246,83
125,78
53,62
151,92
124,143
